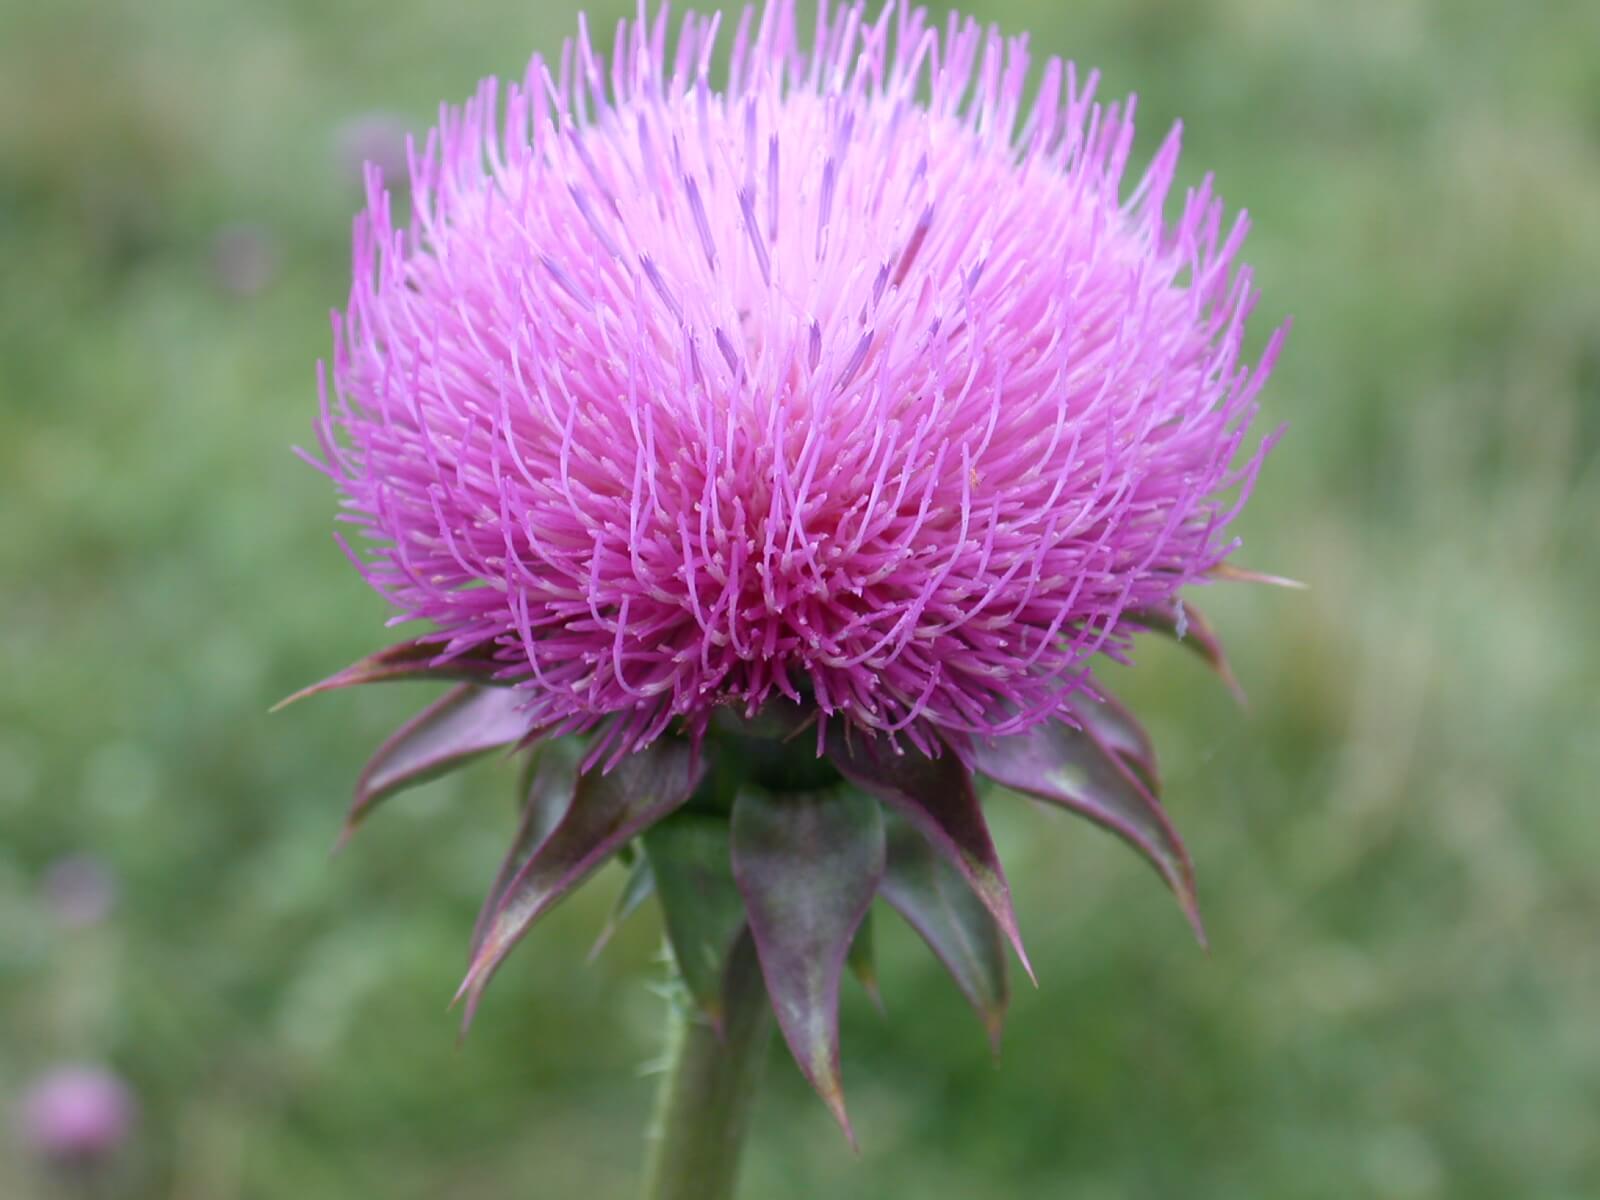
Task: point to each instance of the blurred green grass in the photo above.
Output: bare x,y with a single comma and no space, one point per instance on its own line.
1396,841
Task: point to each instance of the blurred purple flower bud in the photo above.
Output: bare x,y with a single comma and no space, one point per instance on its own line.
378,138
80,890
244,259
76,1114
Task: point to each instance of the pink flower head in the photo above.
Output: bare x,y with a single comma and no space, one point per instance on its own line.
76,1114
375,138
80,890
854,382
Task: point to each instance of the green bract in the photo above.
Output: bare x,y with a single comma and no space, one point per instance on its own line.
756,829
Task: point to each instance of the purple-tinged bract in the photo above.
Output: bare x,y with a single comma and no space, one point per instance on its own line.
854,381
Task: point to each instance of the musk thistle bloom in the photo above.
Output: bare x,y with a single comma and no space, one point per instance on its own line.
776,460
76,1115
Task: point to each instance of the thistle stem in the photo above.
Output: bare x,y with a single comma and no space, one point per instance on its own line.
703,1108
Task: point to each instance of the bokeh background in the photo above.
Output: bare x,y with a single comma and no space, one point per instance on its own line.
1397,840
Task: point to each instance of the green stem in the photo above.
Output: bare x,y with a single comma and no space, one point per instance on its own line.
703,1108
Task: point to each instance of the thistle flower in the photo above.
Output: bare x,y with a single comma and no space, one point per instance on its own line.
76,1115
823,430
80,890
376,138
244,259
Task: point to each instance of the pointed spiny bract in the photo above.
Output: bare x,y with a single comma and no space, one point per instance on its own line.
851,381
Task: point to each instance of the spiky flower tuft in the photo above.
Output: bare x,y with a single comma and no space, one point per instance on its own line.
679,398
823,429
